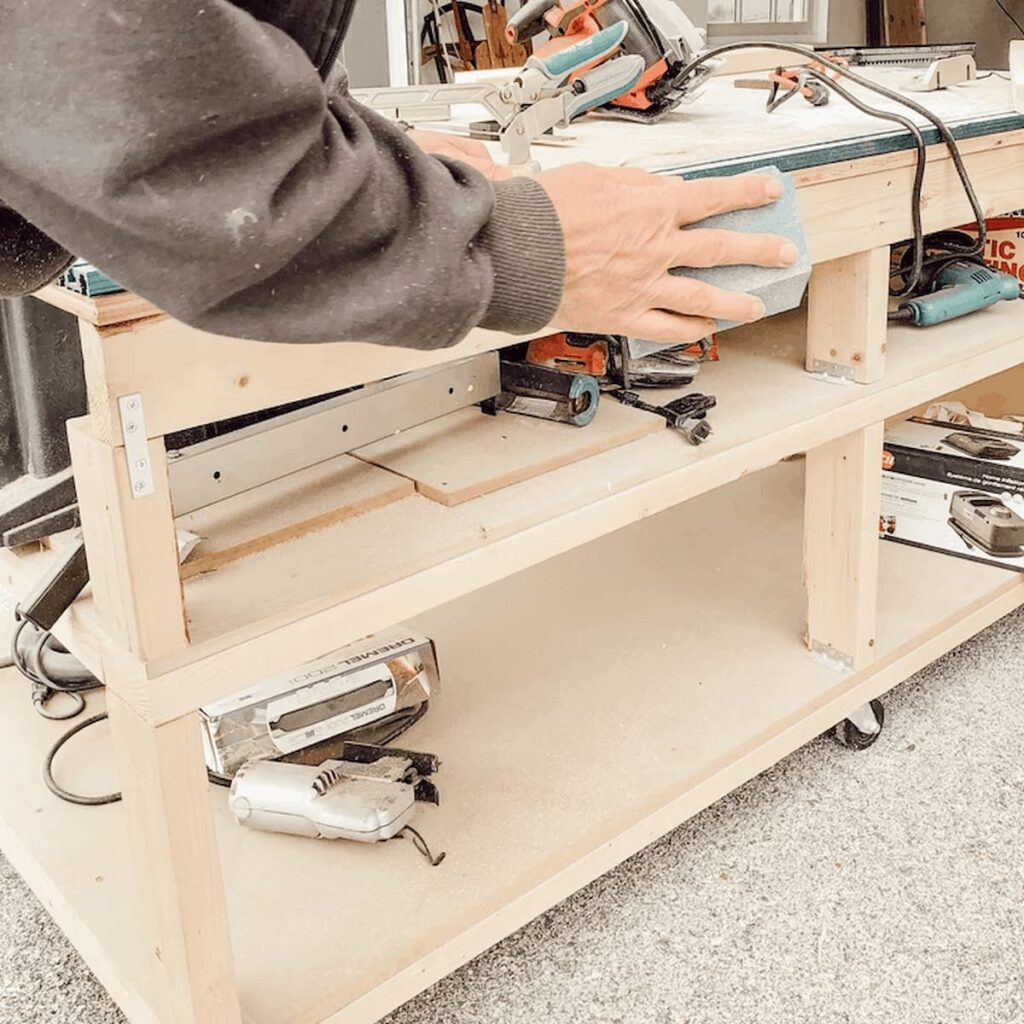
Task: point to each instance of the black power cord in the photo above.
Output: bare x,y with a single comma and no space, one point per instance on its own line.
921,264
1005,10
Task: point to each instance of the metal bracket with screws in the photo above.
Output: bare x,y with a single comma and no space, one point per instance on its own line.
136,446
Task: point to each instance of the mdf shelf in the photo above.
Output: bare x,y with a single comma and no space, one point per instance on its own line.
247,619
647,636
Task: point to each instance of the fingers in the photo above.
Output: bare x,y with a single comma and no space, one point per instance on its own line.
706,247
496,172
661,325
695,298
472,148
705,197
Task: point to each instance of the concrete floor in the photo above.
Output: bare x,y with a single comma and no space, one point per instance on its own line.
885,887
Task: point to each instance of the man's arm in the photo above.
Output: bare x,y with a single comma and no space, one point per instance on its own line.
195,155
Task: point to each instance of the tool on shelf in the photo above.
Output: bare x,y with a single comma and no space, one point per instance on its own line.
688,414
617,361
546,394
658,32
86,279
549,92
367,795
956,281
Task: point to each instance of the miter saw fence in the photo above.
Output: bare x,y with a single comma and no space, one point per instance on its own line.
657,31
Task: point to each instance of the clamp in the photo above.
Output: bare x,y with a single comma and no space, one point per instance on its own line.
549,92
688,414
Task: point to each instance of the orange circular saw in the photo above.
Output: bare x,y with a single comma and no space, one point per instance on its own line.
657,30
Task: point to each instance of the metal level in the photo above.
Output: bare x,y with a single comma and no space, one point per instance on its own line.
213,470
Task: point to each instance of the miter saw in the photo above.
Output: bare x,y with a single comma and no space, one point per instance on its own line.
657,30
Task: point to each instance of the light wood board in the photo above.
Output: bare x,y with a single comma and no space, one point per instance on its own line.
688,715
189,376
466,454
286,509
102,310
344,583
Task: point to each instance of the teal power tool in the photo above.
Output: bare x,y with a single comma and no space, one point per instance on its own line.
959,288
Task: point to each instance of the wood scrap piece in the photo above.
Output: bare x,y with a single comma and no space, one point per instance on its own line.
466,454
503,53
905,22
288,508
101,310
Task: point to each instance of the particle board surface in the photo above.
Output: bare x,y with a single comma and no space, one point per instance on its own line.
768,407
727,129
673,718
467,454
286,509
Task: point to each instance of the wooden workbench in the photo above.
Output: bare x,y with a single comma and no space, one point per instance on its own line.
623,639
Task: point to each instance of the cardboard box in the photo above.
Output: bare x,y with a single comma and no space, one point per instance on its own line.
1004,244
954,489
353,686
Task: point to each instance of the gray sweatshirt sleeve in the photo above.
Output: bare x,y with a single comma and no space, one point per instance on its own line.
195,155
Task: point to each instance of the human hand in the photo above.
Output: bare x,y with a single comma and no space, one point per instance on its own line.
468,151
625,228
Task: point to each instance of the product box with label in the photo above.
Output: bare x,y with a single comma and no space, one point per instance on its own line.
353,686
1004,245
955,489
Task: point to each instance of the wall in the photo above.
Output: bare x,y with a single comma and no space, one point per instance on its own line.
847,22
980,21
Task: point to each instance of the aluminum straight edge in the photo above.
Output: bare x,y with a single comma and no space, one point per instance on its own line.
213,470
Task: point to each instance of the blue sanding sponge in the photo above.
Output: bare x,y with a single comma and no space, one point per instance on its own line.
780,288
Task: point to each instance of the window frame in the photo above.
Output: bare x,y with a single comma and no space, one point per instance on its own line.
813,30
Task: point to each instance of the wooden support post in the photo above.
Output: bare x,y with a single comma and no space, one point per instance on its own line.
847,316
131,545
180,885
841,505
904,22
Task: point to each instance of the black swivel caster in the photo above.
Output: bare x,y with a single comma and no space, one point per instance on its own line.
862,728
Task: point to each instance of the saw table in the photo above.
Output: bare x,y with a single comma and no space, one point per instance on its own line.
686,669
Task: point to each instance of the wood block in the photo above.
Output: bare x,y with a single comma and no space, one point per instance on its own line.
905,23
288,508
101,310
467,454
842,496
847,316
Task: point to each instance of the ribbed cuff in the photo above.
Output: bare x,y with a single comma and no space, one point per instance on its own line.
524,239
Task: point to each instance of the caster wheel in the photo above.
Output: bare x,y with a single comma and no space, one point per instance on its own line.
853,738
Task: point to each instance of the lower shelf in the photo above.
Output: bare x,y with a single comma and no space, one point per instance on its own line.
591,704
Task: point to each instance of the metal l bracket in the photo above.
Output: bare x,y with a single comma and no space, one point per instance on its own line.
136,445
834,371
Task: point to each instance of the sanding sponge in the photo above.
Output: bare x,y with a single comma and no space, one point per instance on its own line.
780,288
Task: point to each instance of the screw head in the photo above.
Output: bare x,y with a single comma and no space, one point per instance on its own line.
132,403
130,428
140,463
139,485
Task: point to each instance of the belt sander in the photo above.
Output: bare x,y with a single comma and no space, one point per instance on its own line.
658,31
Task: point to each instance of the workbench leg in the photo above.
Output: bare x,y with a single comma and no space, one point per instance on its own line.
842,498
847,316
180,885
131,545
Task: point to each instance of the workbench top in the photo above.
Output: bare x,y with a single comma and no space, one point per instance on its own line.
728,129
